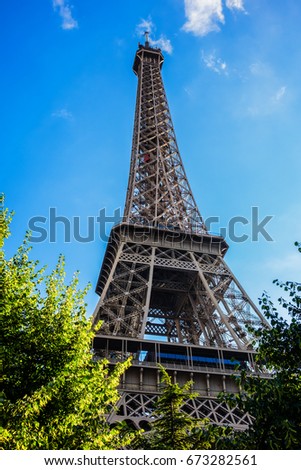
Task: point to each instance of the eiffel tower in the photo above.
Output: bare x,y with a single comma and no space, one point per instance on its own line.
166,294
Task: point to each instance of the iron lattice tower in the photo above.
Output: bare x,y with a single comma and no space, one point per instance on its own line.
166,293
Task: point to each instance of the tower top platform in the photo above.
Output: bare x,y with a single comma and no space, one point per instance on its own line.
148,53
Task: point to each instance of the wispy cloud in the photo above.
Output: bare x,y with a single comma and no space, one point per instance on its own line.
280,93
63,113
264,91
265,94
263,101
205,16
188,91
64,10
214,63
145,25
260,69
162,42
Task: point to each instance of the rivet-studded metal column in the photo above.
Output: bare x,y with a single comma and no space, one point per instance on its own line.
166,294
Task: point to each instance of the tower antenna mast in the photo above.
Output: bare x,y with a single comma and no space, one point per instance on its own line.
146,36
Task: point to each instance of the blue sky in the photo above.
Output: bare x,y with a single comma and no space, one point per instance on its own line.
232,76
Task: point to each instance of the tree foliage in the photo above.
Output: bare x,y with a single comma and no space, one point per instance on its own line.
54,395
173,428
275,403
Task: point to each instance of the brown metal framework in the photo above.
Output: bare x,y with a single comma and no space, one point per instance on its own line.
163,277
158,191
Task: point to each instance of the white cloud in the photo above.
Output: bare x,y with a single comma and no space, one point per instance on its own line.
214,63
260,69
264,92
262,102
64,10
188,90
162,43
63,113
280,93
235,4
145,25
205,16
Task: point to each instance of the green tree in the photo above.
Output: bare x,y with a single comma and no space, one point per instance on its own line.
175,429
54,395
275,403
172,426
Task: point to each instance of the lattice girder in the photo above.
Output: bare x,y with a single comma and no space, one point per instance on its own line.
138,408
158,289
158,191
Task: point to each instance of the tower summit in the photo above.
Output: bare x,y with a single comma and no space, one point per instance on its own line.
166,294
